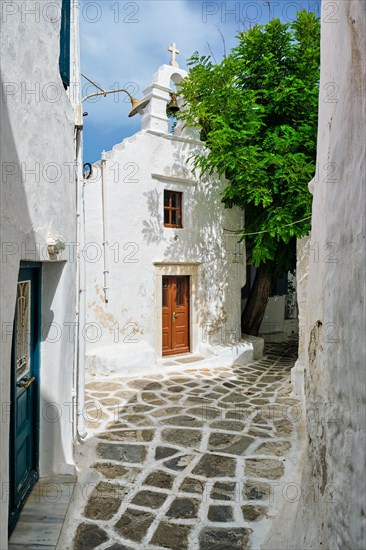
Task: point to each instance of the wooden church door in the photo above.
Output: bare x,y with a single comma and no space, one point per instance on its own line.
175,313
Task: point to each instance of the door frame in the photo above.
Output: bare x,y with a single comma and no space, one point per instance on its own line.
190,269
14,511
171,325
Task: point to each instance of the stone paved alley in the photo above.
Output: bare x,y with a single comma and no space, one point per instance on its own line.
191,458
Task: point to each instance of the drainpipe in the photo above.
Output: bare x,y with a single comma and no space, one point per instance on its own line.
79,348
105,234
81,298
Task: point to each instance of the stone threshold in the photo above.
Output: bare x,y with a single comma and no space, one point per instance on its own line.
180,359
41,520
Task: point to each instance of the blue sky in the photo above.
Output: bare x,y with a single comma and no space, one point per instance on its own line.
124,42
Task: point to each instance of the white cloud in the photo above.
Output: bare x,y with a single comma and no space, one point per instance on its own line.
128,41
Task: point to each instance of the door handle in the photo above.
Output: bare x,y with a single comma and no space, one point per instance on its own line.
174,316
26,383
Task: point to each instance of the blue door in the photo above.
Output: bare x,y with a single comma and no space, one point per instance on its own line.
24,391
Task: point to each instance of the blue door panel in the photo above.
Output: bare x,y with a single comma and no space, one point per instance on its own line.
24,391
23,410
21,464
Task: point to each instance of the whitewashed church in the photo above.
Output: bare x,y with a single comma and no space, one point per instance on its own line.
164,270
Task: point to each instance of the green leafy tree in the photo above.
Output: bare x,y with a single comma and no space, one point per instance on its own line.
257,115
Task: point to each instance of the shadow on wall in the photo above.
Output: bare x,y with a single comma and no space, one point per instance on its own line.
202,238
14,217
52,273
19,242
15,220
153,227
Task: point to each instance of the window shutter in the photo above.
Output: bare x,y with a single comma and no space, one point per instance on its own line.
65,42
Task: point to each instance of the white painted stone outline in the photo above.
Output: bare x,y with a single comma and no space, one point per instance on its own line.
190,269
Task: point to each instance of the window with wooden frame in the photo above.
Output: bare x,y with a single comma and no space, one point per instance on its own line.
172,208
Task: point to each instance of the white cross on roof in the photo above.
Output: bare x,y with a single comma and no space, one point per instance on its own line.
174,51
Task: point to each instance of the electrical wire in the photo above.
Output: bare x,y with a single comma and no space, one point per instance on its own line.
238,231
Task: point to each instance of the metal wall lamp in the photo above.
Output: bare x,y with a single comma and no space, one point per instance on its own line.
137,105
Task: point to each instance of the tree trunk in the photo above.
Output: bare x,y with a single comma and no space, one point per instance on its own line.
255,308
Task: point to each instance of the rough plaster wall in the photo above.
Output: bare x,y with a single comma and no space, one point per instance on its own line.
37,134
302,274
335,391
302,270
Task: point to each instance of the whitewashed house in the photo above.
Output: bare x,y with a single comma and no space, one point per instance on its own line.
167,279
39,92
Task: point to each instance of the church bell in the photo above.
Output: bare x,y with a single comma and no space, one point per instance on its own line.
173,104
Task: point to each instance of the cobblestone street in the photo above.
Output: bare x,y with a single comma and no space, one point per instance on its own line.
194,458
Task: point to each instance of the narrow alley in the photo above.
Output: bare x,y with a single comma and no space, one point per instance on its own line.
182,297
199,457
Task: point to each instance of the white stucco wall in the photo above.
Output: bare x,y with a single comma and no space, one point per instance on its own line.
331,510
276,326
302,271
140,247
37,204
274,317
